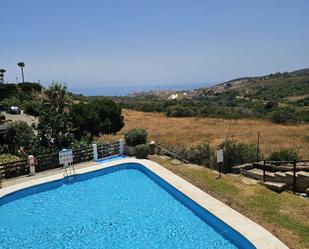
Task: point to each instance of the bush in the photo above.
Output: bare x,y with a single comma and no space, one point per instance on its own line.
98,117
199,154
270,105
284,116
32,108
286,154
6,158
135,137
2,117
236,153
142,151
12,101
180,111
54,130
20,134
4,149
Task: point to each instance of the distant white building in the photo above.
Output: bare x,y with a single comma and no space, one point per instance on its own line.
173,96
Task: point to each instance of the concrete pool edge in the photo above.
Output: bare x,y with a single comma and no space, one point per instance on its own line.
253,232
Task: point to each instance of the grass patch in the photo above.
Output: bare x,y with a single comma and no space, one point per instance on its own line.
225,188
272,205
285,215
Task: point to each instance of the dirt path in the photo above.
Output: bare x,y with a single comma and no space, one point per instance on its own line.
21,117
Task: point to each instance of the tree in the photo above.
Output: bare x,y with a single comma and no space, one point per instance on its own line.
236,153
285,116
20,134
22,65
98,117
57,97
2,72
54,130
80,119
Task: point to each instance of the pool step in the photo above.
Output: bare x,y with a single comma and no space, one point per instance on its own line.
70,179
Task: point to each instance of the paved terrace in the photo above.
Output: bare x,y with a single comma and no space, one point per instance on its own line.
258,235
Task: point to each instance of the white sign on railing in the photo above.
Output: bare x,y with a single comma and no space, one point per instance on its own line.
66,157
219,156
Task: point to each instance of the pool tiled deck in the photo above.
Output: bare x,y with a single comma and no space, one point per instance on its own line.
259,236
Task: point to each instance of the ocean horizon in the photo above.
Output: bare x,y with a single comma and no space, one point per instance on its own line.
125,90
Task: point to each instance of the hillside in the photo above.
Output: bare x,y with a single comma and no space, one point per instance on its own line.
269,87
280,97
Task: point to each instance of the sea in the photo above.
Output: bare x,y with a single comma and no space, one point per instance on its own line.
123,90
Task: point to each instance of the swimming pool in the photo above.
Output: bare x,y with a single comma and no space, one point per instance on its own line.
124,206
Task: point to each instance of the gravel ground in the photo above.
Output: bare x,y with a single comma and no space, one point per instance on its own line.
21,117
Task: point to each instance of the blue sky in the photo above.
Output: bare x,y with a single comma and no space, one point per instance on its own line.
125,43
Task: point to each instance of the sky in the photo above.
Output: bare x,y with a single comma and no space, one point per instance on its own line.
118,46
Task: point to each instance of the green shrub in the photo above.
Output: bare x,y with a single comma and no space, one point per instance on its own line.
4,148
135,137
286,154
20,134
142,151
270,105
284,116
6,158
180,111
12,101
236,153
199,154
32,108
98,117
2,117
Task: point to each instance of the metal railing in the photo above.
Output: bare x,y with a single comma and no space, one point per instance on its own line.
51,161
174,155
110,149
277,163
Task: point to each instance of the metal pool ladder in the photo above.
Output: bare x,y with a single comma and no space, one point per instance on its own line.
69,172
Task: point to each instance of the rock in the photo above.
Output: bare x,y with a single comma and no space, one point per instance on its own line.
275,186
302,181
258,174
175,161
238,168
164,157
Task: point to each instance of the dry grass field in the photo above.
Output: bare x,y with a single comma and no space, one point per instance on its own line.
190,131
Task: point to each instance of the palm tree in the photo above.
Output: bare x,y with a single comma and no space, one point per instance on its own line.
22,65
2,71
57,97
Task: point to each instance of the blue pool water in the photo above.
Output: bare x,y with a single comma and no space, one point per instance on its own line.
110,159
121,207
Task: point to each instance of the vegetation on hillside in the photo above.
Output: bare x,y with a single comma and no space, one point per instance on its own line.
266,97
19,94
61,122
